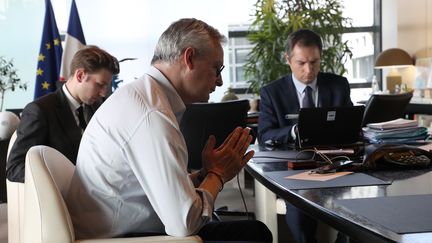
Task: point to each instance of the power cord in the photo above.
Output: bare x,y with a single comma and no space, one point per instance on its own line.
242,197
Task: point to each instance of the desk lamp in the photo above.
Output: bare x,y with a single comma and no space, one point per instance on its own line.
393,58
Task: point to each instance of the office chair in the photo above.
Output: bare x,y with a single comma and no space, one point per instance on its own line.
15,204
201,120
385,107
48,174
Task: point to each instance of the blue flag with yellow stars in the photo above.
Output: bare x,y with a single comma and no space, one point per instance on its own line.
50,54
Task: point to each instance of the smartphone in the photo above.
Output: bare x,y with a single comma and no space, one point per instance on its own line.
333,167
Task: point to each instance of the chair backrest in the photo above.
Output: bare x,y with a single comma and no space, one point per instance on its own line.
48,174
385,107
11,143
15,211
201,120
15,199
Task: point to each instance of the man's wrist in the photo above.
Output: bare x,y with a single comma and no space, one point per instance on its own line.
202,173
219,177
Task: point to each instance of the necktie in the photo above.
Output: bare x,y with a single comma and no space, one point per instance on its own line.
82,122
307,98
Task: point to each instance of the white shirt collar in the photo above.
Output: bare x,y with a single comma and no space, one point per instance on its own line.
174,98
73,103
301,86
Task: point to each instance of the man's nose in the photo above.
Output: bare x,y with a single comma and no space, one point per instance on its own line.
219,81
308,67
104,91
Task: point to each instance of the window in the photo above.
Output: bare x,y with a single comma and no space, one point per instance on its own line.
238,49
364,39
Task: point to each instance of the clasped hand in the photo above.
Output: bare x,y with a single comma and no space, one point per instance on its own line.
229,158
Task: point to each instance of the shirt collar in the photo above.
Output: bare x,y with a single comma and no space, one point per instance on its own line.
73,103
174,99
301,86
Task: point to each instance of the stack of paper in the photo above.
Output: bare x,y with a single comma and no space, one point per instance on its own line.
395,131
397,123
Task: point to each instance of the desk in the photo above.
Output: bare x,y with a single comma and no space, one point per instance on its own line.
319,203
418,108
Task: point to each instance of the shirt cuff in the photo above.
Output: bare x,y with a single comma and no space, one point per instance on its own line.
207,202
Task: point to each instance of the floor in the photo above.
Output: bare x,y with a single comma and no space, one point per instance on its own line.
229,197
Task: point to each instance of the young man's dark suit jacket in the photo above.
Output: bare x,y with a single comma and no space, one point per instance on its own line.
279,98
46,121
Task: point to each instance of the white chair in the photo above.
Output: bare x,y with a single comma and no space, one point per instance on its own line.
47,177
15,204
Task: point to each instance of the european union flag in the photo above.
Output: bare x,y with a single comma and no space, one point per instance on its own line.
49,59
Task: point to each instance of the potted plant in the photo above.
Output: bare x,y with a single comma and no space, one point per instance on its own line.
276,19
9,79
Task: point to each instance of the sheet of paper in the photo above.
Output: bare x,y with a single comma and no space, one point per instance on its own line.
318,177
427,147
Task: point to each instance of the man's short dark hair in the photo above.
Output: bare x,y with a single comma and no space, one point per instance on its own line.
93,59
303,37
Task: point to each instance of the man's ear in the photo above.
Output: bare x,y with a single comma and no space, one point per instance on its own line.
287,58
79,74
188,56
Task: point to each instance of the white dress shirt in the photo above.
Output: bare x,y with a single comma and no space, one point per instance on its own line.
300,87
131,173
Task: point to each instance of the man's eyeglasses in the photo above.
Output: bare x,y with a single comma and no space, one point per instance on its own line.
219,70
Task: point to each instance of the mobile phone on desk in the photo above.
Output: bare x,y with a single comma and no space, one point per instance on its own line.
303,164
333,167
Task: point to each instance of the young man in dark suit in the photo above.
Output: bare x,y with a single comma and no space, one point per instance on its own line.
305,87
58,119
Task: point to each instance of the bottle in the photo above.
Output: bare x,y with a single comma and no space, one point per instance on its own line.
397,89
404,88
375,86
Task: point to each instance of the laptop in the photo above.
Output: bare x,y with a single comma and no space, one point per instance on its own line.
328,127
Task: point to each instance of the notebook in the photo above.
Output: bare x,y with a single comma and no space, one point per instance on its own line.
324,127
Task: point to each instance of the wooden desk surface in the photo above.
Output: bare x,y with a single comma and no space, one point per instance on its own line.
319,203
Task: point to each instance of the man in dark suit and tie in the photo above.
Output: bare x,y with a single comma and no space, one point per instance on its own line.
284,97
58,119
281,100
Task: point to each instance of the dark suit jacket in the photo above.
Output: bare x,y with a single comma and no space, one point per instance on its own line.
279,98
46,121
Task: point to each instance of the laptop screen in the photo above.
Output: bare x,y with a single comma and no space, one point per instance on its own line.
335,126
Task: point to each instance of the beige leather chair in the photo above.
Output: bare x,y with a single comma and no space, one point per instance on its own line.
47,177
15,205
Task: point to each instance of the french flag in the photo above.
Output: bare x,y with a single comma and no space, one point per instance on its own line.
74,41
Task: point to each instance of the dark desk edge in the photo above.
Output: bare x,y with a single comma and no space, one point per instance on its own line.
358,233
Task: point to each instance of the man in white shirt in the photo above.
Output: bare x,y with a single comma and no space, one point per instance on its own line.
131,174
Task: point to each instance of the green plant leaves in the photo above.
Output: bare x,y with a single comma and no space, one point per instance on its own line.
9,79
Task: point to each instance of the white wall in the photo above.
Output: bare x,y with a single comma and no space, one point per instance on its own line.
414,31
407,25
126,28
